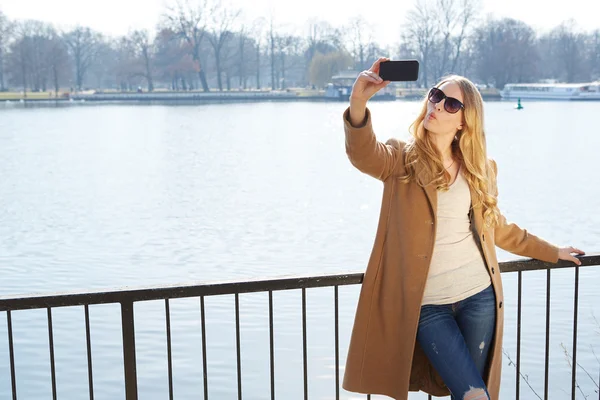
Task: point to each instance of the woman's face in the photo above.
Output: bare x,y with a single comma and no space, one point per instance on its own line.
439,121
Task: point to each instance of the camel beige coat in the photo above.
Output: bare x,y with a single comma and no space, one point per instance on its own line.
384,356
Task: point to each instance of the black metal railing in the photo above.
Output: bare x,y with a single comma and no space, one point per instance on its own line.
127,297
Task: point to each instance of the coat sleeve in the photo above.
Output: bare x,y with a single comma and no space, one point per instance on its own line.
510,237
368,154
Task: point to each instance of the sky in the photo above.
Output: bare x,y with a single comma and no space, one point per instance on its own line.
117,17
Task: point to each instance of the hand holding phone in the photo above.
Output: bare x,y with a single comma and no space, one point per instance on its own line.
368,82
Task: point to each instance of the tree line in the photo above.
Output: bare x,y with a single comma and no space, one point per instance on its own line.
206,45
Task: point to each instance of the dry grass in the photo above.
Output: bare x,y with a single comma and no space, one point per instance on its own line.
29,95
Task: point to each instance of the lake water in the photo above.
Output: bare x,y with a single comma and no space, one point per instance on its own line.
105,196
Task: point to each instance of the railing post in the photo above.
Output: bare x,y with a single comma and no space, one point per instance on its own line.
129,350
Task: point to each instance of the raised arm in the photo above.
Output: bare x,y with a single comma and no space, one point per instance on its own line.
366,153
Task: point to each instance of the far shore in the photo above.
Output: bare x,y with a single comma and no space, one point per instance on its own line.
298,93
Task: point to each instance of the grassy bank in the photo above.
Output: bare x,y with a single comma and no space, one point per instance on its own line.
28,95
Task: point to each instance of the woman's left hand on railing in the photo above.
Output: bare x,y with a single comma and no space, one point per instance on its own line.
565,253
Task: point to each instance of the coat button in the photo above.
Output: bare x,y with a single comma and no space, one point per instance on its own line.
500,305
493,272
483,237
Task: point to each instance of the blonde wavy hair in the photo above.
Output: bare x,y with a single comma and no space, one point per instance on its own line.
424,162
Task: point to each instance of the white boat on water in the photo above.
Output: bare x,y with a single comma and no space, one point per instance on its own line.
551,91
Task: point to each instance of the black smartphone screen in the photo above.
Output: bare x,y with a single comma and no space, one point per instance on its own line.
399,71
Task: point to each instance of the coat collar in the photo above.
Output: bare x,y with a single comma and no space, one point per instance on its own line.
476,212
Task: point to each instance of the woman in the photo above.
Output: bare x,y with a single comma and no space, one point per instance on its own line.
430,313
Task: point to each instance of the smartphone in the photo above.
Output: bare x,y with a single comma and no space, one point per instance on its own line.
399,71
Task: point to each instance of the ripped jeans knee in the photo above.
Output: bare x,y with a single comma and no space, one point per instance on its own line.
476,394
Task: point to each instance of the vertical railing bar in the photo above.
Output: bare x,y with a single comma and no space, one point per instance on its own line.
11,351
204,357
337,343
51,345
129,363
169,349
89,351
271,346
575,314
519,309
547,351
238,345
304,350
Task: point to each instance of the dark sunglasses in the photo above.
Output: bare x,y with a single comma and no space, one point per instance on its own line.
451,104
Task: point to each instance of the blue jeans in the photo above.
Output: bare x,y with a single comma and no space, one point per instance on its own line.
456,339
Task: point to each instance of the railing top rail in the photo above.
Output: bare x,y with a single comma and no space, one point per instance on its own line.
197,289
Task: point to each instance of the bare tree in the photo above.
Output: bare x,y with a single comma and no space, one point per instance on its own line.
322,38
258,36
126,63
283,46
567,50
243,40
190,22
220,31
360,38
421,30
292,60
144,51
29,56
83,45
272,39
6,28
465,65
40,36
505,52
229,60
455,20
173,59
594,54
102,72
58,60
19,56
248,54
436,33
